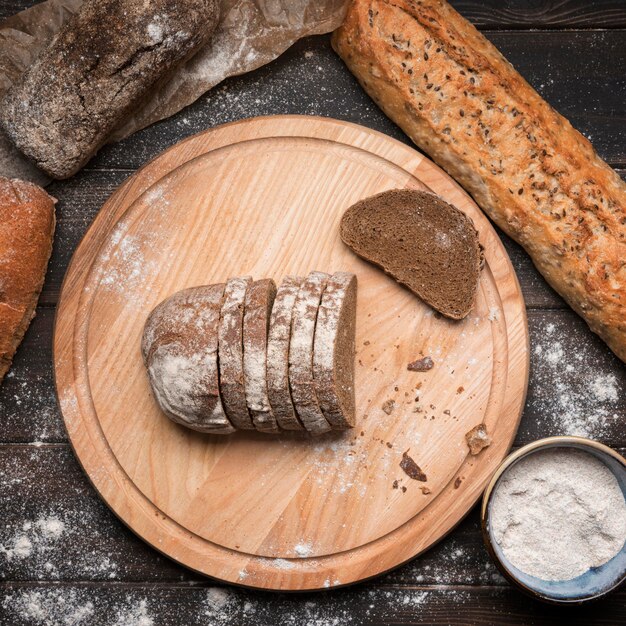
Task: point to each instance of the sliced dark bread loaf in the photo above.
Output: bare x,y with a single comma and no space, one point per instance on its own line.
257,309
423,242
301,353
232,388
334,349
179,348
278,354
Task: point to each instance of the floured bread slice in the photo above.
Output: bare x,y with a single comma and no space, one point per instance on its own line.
301,353
423,242
257,309
278,354
334,349
179,348
232,388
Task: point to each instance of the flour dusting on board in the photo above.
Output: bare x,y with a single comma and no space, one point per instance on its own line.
128,267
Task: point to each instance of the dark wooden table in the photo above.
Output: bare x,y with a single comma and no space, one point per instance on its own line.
66,560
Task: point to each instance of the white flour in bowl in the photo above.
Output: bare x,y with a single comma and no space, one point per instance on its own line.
557,513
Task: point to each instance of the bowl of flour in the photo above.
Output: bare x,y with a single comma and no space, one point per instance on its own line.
554,519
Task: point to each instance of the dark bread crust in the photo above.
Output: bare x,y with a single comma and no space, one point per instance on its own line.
536,177
257,309
230,351
179,348
334,350
278,354
422,241
27,223
98,67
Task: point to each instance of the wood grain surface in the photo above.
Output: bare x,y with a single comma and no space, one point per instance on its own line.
100,569
264,197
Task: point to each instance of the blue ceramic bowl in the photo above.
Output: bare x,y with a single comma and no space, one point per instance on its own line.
592,584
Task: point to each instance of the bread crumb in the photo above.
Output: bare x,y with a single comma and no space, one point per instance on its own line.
421,365
411,468
389,406
477,439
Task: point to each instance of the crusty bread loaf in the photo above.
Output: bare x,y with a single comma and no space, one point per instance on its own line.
98,67
278,341
26,231
256,320
230,352
179,348
539,179
301,353
423,242
334,350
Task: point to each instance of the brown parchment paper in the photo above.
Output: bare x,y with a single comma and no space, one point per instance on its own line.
251,33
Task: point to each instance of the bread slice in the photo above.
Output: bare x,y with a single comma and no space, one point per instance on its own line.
301,353
423,242
278,354
334,349
258,307
179,348
26,231
230,352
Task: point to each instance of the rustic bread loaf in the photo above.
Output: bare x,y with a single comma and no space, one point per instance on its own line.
258,307
539,179
334,350
301,353
278,389
98,67
423,242
230,352
26,231
180,351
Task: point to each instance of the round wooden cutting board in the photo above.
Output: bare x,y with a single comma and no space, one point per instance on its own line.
264,197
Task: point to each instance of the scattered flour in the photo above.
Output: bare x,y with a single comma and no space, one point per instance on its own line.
572,390
38,549
50,608
494,314
304,549
134,614
222,606
155,29
33,537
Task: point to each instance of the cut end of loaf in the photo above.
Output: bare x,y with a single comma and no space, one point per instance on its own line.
423,242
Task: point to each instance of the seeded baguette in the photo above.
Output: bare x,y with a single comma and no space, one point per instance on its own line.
539,179
98,67
334,349
422,241
180,351
232,388
278,354
257,309
301,353
26,230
